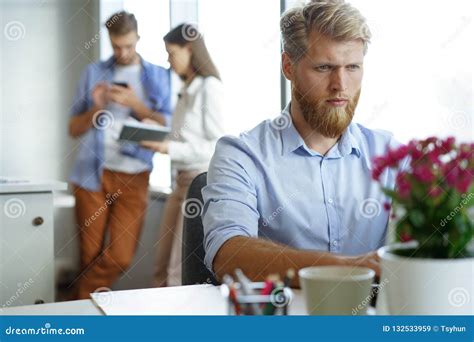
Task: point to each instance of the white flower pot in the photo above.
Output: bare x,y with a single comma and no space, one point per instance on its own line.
416,286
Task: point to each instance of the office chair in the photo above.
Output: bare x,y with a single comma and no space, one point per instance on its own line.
193,269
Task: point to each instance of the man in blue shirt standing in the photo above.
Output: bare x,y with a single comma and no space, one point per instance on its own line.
297,191
111,178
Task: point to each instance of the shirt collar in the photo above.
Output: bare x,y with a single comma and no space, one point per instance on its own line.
146,72
292,140
110,63
346,145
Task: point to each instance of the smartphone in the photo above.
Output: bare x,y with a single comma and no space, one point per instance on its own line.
121,84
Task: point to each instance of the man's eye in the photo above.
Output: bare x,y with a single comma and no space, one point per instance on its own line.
323,68
353,67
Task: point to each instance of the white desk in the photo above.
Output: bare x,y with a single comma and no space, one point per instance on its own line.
75,307
215,303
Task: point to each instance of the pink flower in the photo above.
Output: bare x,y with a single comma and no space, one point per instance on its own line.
391,159
405,237
433,156
464,181
414,150
400,153
424,173
435,191
466,151
379,166
376,173
447,144
463,154
451,173
403,185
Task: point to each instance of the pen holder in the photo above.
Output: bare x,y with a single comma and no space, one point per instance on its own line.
275,303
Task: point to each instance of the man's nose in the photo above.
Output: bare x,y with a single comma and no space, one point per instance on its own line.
338,80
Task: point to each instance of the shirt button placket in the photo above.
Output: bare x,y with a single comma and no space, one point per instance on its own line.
327,201
331,210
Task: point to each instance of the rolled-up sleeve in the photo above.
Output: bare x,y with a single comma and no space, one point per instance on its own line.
163,94
79,102
230,197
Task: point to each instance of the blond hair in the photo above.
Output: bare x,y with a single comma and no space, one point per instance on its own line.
333,18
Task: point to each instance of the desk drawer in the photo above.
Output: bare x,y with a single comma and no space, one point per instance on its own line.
26,249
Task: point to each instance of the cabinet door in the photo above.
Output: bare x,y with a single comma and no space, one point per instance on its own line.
26,249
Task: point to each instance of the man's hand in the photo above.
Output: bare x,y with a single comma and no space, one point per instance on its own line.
127,97
124,96
157,146
99,95
151,122
370,260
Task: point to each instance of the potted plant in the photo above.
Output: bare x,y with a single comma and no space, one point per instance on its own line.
430,270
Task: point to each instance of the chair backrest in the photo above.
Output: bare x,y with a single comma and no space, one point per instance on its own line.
193,269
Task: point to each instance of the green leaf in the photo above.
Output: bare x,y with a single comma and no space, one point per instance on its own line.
416,217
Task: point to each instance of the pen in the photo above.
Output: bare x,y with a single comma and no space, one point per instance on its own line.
246,286
267,290
227,279
290,274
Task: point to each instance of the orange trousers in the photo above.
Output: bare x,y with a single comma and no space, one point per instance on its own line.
119,208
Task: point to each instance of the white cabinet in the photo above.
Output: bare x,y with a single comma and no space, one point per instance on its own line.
27,242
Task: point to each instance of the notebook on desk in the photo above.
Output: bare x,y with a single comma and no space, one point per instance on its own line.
187,300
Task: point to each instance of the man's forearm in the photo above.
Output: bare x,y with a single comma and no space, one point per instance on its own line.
141,111
81,123
258,258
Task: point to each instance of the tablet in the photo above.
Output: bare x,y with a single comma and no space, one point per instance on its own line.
137,131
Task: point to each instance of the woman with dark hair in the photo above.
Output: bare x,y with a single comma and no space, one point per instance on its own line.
195,129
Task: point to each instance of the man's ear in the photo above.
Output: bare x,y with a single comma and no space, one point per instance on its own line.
287,66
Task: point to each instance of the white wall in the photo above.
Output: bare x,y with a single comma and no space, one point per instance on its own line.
42,54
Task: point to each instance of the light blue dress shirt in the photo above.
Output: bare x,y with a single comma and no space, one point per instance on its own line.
268,183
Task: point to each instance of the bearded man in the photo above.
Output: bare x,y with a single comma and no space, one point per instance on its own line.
297,191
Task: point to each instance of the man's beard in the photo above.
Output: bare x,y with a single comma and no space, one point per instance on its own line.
128,60
329,121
